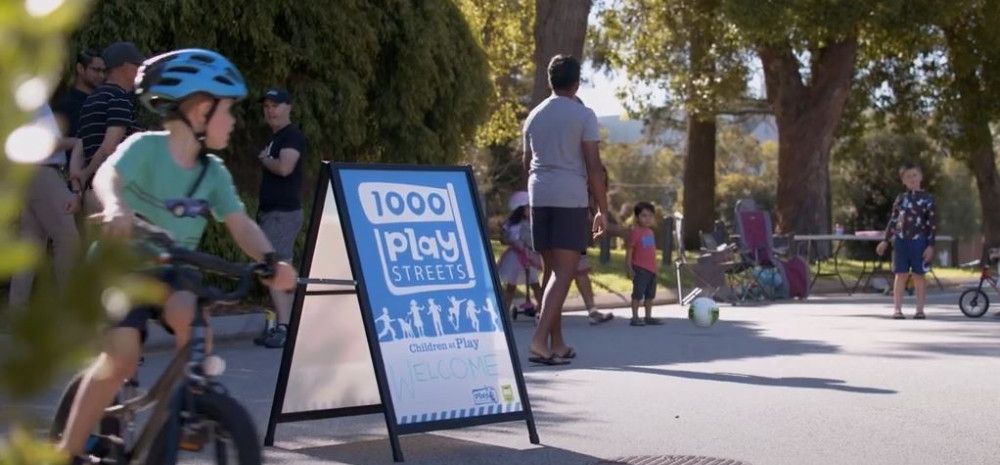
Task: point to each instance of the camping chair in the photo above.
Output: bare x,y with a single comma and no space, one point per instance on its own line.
718,269
767,278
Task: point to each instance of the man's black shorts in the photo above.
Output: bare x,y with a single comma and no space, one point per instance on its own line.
560,228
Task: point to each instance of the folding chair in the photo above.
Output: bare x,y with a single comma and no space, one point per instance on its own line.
767,277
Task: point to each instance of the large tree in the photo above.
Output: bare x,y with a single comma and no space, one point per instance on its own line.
973,59
809,52
683,47
560,28
504,30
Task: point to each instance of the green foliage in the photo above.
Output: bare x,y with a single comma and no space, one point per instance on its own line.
635,176
680,46
504,28
399,81
866,178
746,169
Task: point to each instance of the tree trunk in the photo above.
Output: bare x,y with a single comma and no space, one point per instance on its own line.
699,181
560,28
807,117
699,165
982,162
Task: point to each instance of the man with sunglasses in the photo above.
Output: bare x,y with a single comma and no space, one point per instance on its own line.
89,74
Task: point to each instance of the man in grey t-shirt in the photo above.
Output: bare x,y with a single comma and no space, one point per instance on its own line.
561,158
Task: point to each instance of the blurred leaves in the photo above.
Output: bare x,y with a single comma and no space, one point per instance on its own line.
21,448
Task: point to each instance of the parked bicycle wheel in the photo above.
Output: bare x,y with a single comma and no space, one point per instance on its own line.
974,303
99,443
224,431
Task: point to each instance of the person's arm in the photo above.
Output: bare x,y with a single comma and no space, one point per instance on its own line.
526,157
595,179
890,228
284,164
76,166
117,216
930,231
628,254
113,136
254,243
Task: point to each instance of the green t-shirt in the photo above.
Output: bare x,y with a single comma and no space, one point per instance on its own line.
149,176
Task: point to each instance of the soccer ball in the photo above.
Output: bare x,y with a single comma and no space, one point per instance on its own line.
703,312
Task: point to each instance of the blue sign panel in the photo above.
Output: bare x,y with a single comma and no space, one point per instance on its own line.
427,278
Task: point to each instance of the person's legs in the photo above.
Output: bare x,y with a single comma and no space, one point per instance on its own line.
281,229
508,295
55,222
98,386
582,280
30,231
537,291
178,313
563,264
897,294
920,285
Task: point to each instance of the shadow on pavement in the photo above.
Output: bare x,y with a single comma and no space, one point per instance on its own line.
433,449
797,382
617,345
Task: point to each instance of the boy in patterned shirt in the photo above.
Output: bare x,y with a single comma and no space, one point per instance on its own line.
912,229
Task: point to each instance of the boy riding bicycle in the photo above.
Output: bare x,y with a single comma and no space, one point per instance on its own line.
162,176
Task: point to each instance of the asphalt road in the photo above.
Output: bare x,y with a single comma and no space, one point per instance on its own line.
831,381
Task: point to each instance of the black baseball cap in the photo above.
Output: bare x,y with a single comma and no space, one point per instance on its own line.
120,53
276,95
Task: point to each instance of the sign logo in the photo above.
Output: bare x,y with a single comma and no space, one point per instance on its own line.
420,237
508,393
485,396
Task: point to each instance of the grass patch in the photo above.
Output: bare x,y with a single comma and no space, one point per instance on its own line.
611,277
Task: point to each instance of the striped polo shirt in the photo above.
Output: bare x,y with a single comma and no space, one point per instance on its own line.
109,105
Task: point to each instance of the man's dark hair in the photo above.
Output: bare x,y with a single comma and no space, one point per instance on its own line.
642,206
564,72
907,166
86,56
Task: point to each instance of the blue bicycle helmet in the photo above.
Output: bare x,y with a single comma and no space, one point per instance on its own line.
165,80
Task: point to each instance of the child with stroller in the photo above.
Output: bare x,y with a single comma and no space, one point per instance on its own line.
519,263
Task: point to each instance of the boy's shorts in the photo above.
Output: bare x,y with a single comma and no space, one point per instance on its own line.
908,255
643,284
559,228
140,314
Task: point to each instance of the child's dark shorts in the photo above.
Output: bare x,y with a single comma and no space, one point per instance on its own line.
643,284
140,314
908,255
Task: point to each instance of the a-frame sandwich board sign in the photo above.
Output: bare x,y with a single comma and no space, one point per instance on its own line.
440,352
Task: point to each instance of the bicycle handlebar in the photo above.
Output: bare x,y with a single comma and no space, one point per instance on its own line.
175,256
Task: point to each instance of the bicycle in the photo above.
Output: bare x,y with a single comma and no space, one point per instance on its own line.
974,302
190,407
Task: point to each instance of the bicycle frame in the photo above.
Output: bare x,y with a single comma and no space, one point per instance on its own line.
167,400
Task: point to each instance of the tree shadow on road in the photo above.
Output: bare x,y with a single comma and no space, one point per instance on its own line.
616,344
742,378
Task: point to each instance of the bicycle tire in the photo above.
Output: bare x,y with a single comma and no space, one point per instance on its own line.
108,426
974,303
230,418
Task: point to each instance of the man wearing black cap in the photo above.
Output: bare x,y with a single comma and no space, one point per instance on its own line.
106,117
280,213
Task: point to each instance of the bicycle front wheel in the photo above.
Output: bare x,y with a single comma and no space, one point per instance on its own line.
974,303
220,430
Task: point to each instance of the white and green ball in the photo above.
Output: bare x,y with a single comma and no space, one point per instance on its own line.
703,312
